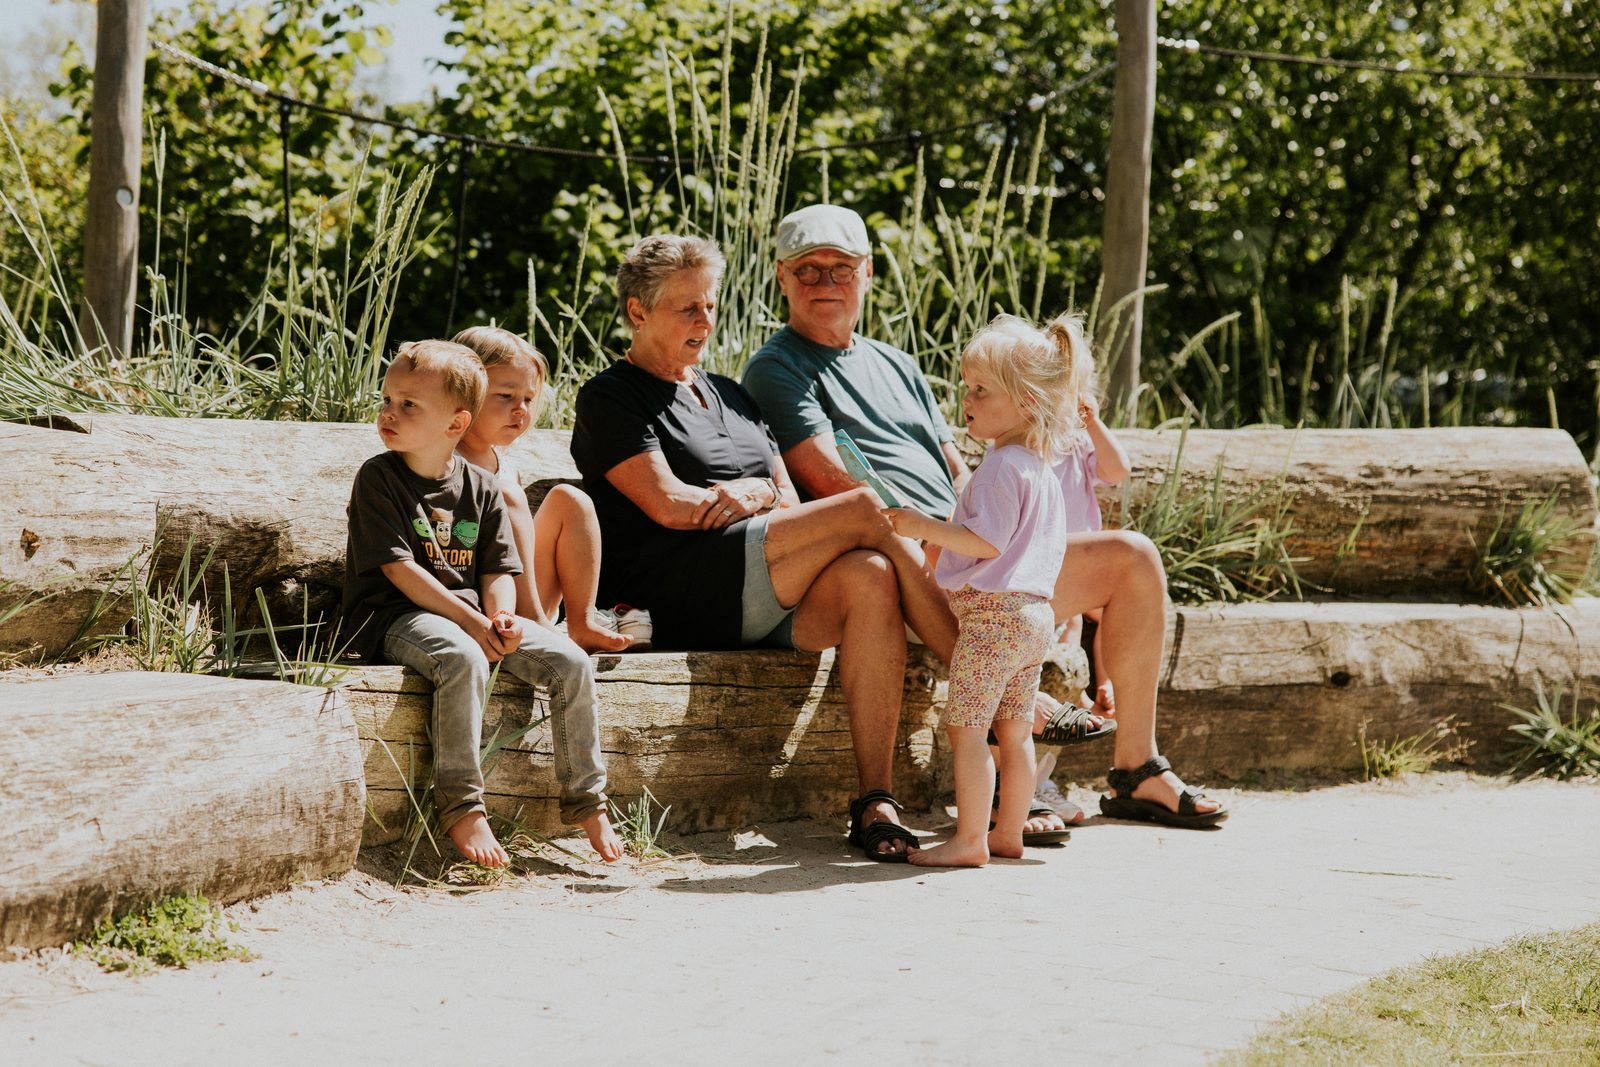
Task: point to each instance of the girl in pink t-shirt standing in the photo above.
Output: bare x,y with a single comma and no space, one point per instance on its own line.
1092,457
1002,550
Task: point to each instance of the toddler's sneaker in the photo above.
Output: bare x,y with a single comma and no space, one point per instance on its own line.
632,622
1048,795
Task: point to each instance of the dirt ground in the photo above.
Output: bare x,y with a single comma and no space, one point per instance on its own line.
1128,944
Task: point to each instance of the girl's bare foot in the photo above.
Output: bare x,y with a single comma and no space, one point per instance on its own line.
474,840
954,853
589,634
1005,846
601,835
1105,701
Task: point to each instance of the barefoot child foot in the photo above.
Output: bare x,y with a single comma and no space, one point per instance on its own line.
590,633
954,853
1005,845
602,836
474,840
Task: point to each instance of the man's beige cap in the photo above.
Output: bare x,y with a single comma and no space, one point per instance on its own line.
822,226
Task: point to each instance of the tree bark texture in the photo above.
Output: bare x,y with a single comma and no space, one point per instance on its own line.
121,789
726,739
1127,215
1286,687
111,225
1376,513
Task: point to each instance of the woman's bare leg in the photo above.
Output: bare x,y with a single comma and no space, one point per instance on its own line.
567,563
1120,573
802,541
853,604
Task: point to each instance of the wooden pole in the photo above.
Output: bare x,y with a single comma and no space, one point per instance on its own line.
111,229
1127,219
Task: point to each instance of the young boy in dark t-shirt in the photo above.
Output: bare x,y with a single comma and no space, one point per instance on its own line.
430,570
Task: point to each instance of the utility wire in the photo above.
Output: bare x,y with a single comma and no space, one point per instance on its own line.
1033,103
1402,67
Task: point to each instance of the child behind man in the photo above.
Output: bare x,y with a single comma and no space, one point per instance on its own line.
1002,551
430,583
560,543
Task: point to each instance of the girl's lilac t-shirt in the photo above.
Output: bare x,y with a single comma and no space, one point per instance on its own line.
1013,501
1079,473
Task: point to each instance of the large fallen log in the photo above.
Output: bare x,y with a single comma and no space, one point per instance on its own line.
87,494
1375,512
124,788
727,739
1290,687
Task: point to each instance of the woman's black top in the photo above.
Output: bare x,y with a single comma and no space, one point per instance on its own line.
691,581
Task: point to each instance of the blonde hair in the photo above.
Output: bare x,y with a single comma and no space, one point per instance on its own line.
1045,373
465,381
646,267
495,347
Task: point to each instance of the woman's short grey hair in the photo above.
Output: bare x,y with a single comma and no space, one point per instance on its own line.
647,266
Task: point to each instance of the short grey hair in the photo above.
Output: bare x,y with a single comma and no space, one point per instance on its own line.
648,264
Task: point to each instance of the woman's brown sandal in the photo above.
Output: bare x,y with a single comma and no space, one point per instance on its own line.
1125,806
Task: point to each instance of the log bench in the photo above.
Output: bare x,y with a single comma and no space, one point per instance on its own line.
726,738
124,788
730,738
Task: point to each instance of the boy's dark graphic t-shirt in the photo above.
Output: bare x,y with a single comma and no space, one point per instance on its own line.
454,527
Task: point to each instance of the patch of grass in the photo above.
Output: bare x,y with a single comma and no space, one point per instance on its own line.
1557,747
174,932
640,825
1441,743
1216,546
1531,1000
1532,557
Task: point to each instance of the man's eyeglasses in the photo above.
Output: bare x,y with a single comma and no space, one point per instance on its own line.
811,274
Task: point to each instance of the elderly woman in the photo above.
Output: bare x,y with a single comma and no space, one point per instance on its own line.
700,524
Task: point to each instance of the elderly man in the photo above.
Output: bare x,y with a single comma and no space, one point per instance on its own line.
817,375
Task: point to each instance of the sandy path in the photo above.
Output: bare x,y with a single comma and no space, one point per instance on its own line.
1130,943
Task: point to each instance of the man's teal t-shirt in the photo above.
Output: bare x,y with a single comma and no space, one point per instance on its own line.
872,391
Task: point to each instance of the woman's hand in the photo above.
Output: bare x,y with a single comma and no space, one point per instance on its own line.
728,502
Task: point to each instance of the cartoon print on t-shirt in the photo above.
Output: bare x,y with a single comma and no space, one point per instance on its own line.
439,531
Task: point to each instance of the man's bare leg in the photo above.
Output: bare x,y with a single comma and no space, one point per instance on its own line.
854,604
1121,574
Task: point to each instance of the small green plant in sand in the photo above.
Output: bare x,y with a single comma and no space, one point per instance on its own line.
1440,743
1548,744
640,824
1533,556
174,932
1531,1000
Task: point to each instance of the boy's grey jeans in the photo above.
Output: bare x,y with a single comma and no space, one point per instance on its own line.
441,651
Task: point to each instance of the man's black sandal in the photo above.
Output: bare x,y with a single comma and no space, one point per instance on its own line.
870,836
1125,806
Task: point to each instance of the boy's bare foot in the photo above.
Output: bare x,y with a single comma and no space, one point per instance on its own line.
954,854
601,835
474,840
1105,701
589,634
